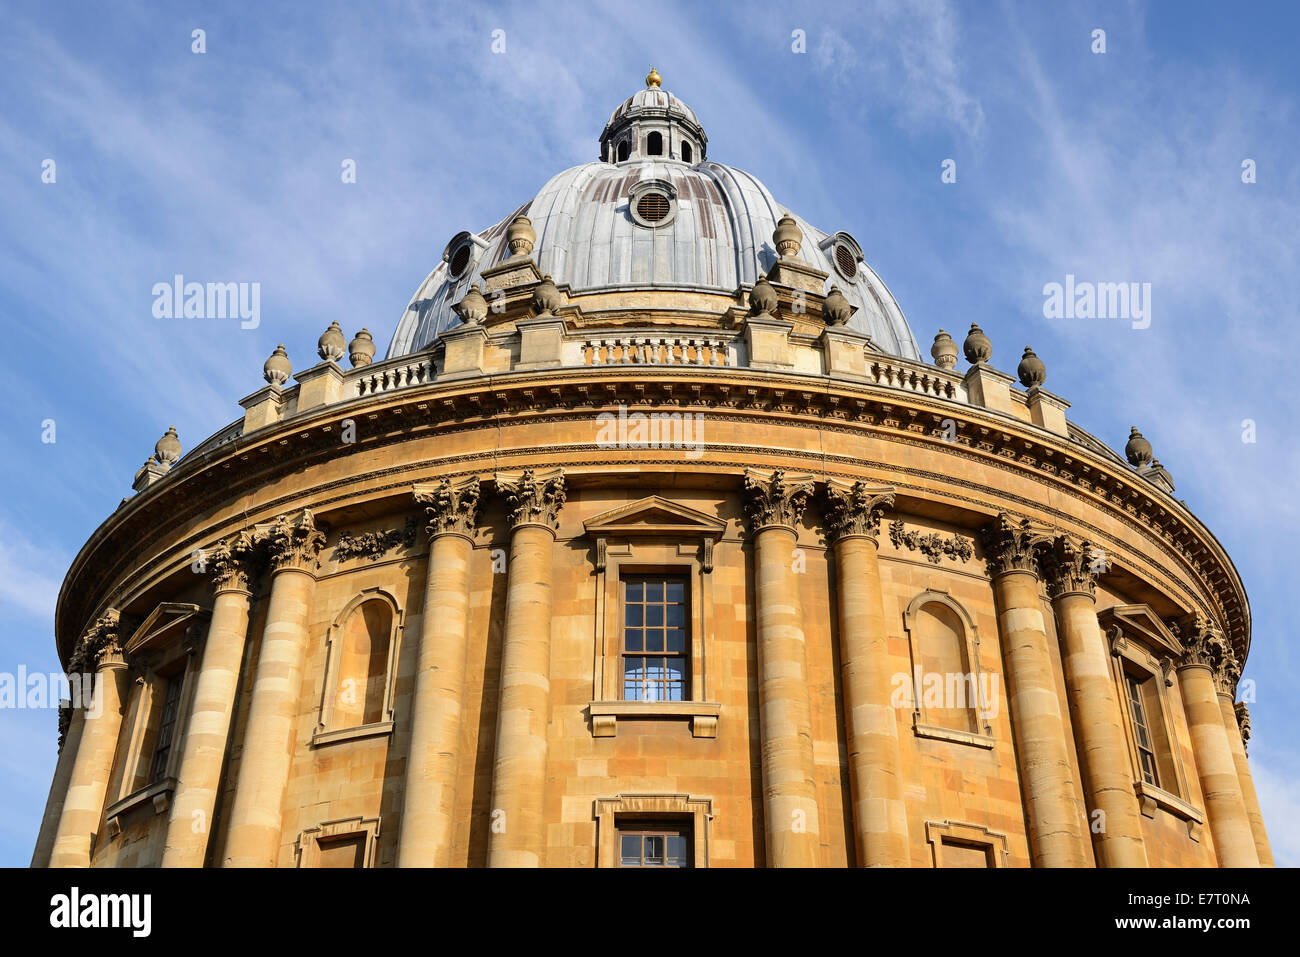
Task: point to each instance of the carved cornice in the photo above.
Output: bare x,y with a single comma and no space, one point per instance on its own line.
293,542
1243,722
100,645
1013,545
234,562
775,499
534,499
374,545
932,545
450,508
855,509
1068,567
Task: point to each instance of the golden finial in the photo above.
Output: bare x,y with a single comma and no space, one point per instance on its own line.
653,79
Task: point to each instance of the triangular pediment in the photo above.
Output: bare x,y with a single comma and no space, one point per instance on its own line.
165,620
654,515
1141,623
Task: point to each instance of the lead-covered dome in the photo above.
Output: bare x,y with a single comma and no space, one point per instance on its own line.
653,214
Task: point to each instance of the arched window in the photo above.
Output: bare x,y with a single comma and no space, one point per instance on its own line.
686,153
654,144
622,151
953,698
358,691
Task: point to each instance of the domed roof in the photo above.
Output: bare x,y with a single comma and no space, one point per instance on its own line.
714,233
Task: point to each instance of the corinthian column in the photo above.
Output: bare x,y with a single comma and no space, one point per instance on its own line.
1236,719
204,742
429,795
293,544
773,506
72,719
1094,707
100,652
1056,823
517,835
1202,672
879,812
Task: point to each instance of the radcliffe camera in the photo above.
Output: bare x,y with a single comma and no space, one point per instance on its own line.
598,437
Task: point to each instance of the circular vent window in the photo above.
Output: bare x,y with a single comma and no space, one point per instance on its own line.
652,207
460,260
846,262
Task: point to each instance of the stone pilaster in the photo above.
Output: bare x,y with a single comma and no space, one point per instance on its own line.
429,795
293,543
774,504
1236,719
1202,672
100,653
1057,827
1094,706
871,727
517,837
207,733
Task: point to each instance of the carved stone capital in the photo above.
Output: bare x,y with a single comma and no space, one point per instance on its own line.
534,499
1068,567
234,562
1243,722
1012,544
100,645
293,542
1204,644
855,509
449,508
775,499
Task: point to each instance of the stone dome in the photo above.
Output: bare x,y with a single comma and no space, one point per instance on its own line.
713,233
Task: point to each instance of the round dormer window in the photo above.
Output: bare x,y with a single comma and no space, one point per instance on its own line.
460,261
652,203
845,261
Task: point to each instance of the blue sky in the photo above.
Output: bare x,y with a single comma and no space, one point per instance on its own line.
225,166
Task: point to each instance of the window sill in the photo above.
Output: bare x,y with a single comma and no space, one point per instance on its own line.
952,735
1152,797
605,715
160,793
352,734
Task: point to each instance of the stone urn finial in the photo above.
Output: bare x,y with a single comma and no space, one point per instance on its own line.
1031,370
546,298
277,368
1138,450
944,351
787,237
520,236
168,449
361,350
977,346
332,344
762,297
835,308
473,309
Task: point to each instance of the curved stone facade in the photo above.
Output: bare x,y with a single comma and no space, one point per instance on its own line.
410,612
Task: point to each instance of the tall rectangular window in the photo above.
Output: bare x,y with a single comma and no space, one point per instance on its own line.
1142,730
656,656
166,729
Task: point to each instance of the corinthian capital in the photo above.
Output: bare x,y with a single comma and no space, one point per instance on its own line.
100,645
1012,544
449,508
1204,644
534,499
233,562
775,499
1243,722
855,509
293,541
1068,565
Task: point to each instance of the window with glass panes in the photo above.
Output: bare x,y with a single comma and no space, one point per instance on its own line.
654,846
166,728
1142,731
656,650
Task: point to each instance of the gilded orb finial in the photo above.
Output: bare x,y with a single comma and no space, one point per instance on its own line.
653,79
